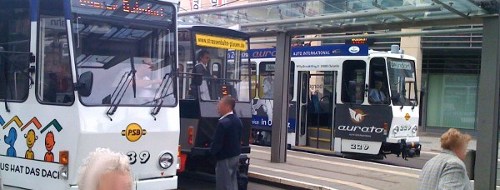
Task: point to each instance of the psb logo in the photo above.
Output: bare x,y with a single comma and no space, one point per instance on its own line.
133,132
357,115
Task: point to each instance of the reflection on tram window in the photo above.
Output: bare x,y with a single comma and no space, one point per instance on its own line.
213,76
378,89
14,49
402,81
353,81
266,80
131,65
56,86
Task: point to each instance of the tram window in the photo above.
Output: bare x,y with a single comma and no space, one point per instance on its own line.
253,80
379,91
353,81
185,63
214,75
266,80
402,79
304,87
118,55
14,49
55,84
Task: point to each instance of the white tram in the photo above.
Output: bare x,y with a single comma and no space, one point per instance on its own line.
345,99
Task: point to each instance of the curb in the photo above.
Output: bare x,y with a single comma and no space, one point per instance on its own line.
290,183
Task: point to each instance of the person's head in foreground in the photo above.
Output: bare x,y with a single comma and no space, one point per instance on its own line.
226,105
456,142
104,169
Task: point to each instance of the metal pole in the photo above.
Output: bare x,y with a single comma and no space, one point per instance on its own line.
487,106
280,96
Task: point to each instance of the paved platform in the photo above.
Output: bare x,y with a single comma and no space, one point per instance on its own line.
314,171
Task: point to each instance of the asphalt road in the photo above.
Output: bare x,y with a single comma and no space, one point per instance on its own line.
415,162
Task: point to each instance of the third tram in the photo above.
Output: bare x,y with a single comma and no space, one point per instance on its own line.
345,99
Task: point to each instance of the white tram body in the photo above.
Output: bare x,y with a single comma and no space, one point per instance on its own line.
334,106
74,79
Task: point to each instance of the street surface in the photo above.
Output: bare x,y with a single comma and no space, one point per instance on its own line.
341,173
326,171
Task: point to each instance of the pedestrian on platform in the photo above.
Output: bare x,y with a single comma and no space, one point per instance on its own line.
105,170
447,170
226,145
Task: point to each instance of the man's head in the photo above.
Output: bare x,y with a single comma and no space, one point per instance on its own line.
226,105
203,57
379,84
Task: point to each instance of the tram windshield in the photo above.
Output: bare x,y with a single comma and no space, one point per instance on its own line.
130,52
218,69
402,82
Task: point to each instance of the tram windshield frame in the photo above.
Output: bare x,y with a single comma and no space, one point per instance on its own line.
132,58
402,81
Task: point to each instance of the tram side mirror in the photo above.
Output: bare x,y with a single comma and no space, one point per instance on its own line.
470,161
84,84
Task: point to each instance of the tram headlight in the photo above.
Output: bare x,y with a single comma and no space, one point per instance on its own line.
63,172
395,130
166,160
414,129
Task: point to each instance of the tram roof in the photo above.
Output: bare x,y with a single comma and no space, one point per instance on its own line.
298,17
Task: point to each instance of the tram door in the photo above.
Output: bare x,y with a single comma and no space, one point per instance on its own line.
316,109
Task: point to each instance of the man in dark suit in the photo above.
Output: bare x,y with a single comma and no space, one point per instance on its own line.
200,83
226,145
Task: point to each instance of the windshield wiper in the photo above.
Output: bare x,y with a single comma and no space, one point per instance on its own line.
119,92
134,83
161,93
117,95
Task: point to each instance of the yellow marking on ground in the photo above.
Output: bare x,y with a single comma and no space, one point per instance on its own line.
347,183
311,149
321,129
349,165
320,139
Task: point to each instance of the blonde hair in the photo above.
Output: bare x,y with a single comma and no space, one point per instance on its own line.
98,163
453,139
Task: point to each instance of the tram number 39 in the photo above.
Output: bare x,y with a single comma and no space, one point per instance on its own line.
143,157
355,146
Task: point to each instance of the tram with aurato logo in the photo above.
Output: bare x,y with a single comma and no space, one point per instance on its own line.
344,99
82,74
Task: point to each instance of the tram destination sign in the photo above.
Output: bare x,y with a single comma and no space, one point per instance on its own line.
129,9
221,42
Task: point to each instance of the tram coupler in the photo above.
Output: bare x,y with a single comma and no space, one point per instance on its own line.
411,149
